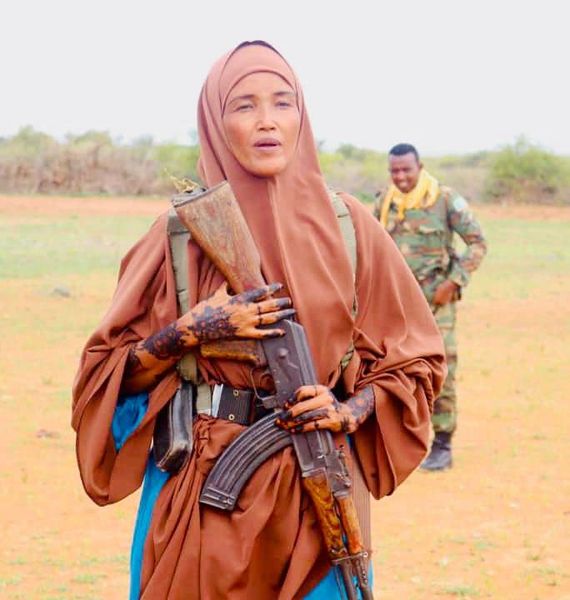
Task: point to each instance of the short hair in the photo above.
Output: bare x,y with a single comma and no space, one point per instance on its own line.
401,149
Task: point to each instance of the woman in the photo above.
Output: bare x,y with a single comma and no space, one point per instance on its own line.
254,132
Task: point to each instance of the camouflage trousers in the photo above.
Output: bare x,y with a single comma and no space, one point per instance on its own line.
444,418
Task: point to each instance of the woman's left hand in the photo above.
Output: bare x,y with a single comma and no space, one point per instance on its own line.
315,407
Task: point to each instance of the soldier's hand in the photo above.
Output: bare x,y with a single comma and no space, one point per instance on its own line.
445,293
223,317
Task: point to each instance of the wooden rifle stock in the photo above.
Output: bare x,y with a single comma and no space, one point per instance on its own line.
216,223
218,226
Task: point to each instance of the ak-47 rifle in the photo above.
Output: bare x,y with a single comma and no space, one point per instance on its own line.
217,225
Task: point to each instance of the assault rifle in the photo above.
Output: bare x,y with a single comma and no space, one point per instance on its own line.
217,225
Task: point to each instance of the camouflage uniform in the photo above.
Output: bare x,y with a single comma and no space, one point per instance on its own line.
425,238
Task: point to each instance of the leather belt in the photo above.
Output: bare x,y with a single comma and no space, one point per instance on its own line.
239,406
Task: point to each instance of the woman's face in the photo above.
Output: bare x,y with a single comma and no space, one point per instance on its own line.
261,121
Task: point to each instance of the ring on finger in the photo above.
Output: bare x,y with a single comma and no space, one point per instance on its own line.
311,415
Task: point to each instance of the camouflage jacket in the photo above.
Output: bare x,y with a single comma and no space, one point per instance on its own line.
426,239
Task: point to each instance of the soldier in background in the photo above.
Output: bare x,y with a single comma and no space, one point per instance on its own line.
422,216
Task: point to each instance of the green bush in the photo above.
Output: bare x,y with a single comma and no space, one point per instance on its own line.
177,160
91,163
524,172
358,171
27,143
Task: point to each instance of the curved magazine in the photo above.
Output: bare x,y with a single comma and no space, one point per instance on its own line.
241,459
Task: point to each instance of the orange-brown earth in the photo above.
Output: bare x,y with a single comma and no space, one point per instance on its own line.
496,526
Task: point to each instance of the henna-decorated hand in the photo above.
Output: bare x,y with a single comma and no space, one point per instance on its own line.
219,317
223,317
315,407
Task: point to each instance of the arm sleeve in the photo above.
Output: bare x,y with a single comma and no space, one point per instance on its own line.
462,221
114,433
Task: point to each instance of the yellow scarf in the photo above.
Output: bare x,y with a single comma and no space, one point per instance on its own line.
423,195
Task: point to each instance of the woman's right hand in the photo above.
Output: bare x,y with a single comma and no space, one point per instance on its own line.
224,317
220,317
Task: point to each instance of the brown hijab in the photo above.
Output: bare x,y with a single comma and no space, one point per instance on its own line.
290,215
269,547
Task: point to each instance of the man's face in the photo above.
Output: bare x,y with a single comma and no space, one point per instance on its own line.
404,171
262,123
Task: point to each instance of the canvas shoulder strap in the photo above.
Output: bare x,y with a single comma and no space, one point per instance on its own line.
346,228
178,237
360,492
349,236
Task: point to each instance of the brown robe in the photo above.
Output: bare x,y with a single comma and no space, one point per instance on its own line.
270,546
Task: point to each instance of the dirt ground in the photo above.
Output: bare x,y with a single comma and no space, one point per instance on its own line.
495,526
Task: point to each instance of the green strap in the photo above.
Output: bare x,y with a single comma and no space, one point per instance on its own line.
349,236
347,229
178,237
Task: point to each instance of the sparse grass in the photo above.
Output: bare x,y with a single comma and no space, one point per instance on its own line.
89,562
119,559
535,555
59,247
524,258
87,578
459,591
9,581
482,545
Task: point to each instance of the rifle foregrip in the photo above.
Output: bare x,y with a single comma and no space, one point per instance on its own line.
350,524
318,488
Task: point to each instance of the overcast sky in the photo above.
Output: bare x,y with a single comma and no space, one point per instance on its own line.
447,75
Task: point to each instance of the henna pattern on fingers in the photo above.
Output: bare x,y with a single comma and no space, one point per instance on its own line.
336,416
212,324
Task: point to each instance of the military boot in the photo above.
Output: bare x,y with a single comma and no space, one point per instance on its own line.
439,457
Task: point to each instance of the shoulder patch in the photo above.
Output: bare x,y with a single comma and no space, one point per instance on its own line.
459,203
